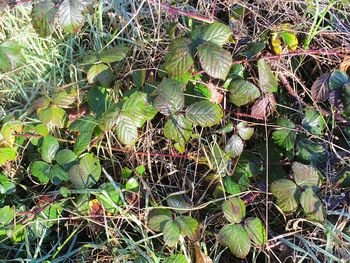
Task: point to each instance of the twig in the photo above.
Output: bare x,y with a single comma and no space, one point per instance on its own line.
336,52
174,10
213,9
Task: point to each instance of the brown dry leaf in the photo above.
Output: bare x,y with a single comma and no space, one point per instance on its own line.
216,96
74,114
264,107
200,256
131,198
95,208
320,88
96,212
345,64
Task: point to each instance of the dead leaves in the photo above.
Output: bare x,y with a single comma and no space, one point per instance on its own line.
320,88
264,106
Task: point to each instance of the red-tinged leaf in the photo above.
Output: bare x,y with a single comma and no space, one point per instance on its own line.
264,107
96,209
320,88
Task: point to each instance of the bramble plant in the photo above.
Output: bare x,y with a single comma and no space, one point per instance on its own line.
147,132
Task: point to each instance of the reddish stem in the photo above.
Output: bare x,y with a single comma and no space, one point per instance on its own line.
174,10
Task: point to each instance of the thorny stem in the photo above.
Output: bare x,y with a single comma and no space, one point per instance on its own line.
174,10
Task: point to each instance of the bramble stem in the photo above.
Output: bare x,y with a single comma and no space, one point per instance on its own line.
174,10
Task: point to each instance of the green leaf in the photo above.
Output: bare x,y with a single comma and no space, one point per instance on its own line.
236,239
132,184
40,170
126,130
82,142
126,172
242,92
43,17
114,54
7,214
285,136
6,186
287,194
178,128
107,79
312,205
247,167
110,198
17,233
49,148
42,130
215,60
338,79
99,100
234,146
306,175
217,33
7,154
138,109
256,230
320,88
227,128
244,131
267,80
178,204
94,71
86,173
10,55
234,210
204,113
139,78
218,159
57,174
70,14
64,98
290,40
52,116
176,258
231,186
313,121
157,218
65,156
178,60
253,49
109,118
343,177
85,123
171,233
310,152
188,226
170,98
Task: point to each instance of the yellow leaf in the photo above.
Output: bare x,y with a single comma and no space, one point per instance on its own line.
276,43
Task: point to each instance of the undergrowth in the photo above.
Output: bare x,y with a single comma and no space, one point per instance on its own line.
201,131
